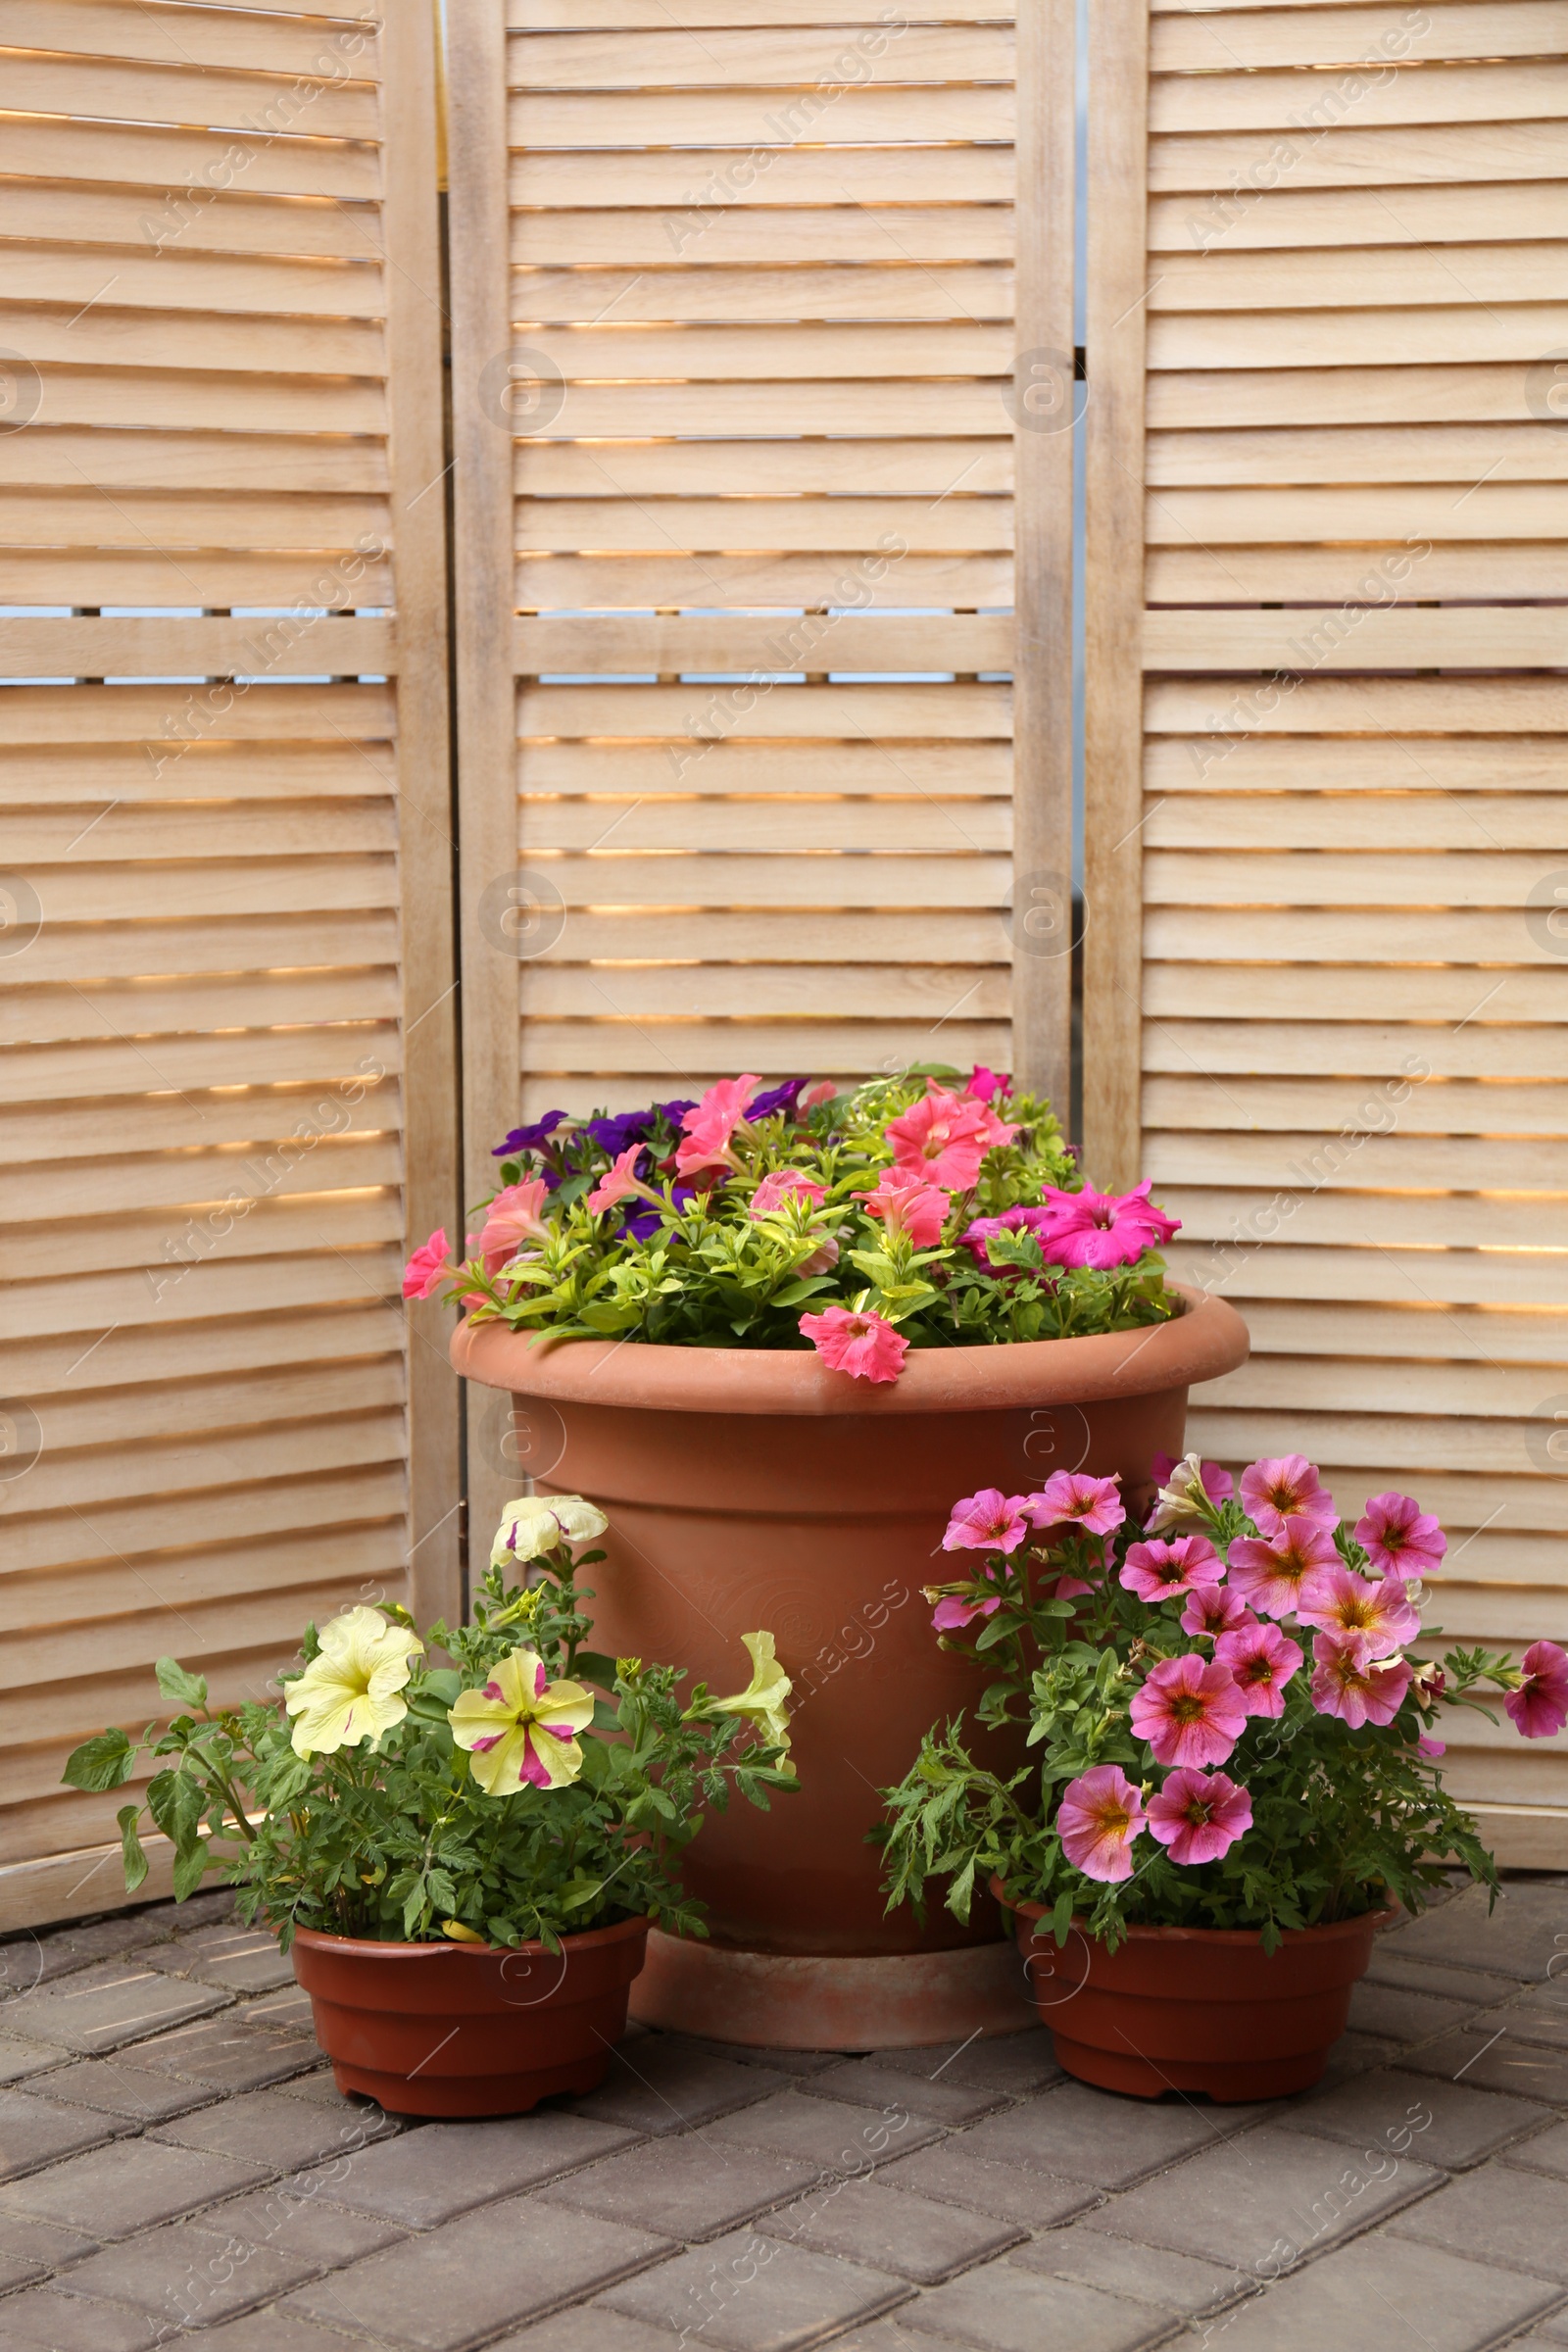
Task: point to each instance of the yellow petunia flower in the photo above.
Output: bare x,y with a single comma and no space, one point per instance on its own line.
764,1697
539,1523
521,1727
351,1691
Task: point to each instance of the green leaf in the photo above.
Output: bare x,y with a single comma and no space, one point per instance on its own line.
131,1845
190,1868
182,1690
101,1762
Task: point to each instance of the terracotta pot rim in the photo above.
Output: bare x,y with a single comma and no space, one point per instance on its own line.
1206,1338
317,1939
1324,1932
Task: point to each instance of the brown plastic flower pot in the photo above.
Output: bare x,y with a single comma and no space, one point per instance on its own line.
748,1487
1196,2008
468,2029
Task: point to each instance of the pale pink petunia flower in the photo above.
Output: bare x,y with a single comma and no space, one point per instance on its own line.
783,1185
1218,1484
953,1612
989,1521
1102,1229
515,1216
942,1138
1357,1688
908,1203
1189,1711
1197,1815
429,1267
619,1180
1095,1504
1270,1571
861,1342
1215,1609
1170,1565
1398,1536
1100,1815
1339,1601
1538,1708
1285,1487
1261,1661
822,1092
1430,1749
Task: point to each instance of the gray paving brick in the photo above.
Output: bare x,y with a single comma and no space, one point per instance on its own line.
1515,1940
20,2059
1481,1988
186,2276
111,2087
231,2052
61,2323
238,1959
1446,2124
426,2176
263,2127
1376,2294
1015,2064
692,2187
1547,2152
1499,2214
591,2327
1554,2330
291,2217
1263,2199
1496,2060
827,2132
107,2005
1082,2134
1356,2054
290,2008
1539,2015
213,1902
30,2249
111,2194
660,2083
1396,2014
477,2276
321,2090
784,2062
1171,2281
1006,2309
746,2294
870,2084
271,2332
36,2131
950,2175
890,2230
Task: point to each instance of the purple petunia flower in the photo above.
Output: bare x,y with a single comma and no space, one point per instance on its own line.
529,1138
776,1097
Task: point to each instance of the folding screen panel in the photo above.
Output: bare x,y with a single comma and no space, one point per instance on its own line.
1328,833
224,918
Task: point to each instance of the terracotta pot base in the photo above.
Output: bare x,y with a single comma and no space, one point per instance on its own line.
474,2094
791,2001
1227,2084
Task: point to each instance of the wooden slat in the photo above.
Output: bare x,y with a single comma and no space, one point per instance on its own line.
646,239
969,290
216,34
749,60
909,468
1382,455
807,173
1351,35
693,640
1439,94
1516,150
760,116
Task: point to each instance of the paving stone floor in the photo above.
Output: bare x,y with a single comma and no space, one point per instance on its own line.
174,2157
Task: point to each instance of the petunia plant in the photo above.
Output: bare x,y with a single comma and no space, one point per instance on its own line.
530,1787
1223,1726
925,1210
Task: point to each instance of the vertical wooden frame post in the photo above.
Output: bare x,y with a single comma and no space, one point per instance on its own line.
1113,586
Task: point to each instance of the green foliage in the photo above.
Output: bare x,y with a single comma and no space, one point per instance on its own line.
393,1841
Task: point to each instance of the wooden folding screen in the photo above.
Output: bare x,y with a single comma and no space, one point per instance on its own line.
224,915
1328,834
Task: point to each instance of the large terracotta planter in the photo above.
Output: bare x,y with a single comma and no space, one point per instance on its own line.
449,2029
749,1489
1198,2008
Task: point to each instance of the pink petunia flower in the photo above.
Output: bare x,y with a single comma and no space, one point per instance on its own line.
709,1124
861,1342
1161,1570
1285,1487
429,1267
1341,1602
1270,1571
785,1184
1348,1684
822,1092
619,1180
1072,1495
1199,1815
515,1216
941,1137
1398,1536
1218,1484
1261,1661
1102,1229
1189,1711
910,1203
953,1612
1215,1609
1430,1749
984,1084
989,1521
1538,1708
1100,1815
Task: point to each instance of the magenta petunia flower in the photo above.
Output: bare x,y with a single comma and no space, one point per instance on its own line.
1270,1571
1261,1661
1540,1706
1218,1484
1286,1486
1102,1229
1398,1536
989,1521
1348,1684
1339,1601
1100,1815
984,1084
783,1185
862,1344
909,1203
1160,1570
1189,1711
943,1139
1197,1815
1095,1504
1215,1609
